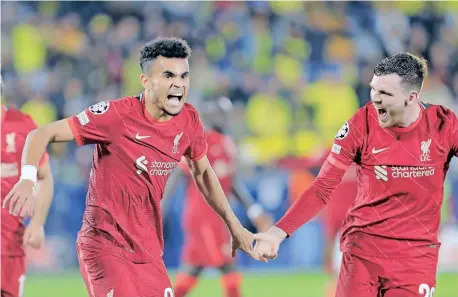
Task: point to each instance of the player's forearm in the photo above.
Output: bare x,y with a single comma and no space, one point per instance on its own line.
211,190
313,199
45,188
38,140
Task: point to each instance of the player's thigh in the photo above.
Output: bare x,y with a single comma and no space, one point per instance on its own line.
421,290
13,276
355,278
153,279
106,273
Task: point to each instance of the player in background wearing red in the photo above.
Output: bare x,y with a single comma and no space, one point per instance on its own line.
14,235
402,148
207,242
138,142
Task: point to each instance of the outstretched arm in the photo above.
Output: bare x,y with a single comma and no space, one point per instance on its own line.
210,188
303,209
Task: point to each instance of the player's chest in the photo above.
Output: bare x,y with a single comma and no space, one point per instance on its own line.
12,143
405,149
154,150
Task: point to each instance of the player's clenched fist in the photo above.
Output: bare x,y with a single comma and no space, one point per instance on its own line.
21,198
268,243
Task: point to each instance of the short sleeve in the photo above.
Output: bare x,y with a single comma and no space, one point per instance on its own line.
198,147
95,124
349,140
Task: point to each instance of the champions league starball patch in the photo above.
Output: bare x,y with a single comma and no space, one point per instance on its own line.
343,132
99,108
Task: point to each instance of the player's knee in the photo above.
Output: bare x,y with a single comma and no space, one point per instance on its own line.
191,270
227,268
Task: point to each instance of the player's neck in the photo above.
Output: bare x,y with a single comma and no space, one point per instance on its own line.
411,115
155,112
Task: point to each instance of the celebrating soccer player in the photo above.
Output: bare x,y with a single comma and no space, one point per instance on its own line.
402,148
207,242
15,236
138,142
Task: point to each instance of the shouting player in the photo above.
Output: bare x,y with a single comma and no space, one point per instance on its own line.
138,142
402,148
207,242
15,236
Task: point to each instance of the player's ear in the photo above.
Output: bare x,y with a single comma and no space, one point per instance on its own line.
144,80
413,97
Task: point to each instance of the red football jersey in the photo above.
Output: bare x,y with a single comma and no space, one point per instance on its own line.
15,127
400,175
133,157
222,157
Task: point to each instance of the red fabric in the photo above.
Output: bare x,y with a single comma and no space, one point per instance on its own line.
15,128
370,276
13,276
312,200
231,284
133,158
400,175
105,269
184,284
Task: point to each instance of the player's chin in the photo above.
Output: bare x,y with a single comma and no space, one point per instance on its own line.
173,111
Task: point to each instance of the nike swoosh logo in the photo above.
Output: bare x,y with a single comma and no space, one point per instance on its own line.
374,151
141,137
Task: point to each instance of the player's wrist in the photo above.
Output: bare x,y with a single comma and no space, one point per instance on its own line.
278,233
29,172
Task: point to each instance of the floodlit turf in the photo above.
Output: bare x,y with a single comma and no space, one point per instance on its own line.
255,285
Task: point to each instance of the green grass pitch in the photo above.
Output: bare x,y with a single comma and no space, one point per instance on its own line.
255,285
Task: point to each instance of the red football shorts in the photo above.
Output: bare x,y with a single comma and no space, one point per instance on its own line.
362,276
207,244
107,272
13,276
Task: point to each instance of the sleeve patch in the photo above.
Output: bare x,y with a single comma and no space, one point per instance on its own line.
336,148
83,118
343,132
99,108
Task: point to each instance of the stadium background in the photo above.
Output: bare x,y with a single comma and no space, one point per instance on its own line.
294,71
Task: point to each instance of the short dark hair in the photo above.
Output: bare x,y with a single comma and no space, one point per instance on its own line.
412,69
168,47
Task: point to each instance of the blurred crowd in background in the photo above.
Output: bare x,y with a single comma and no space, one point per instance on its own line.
295,71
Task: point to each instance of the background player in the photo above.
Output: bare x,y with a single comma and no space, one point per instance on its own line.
14,235
402,148
207,242
138,142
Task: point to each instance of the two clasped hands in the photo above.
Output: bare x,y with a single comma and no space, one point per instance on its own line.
266,247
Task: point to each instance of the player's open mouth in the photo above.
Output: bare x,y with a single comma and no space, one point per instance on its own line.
174,99
382,113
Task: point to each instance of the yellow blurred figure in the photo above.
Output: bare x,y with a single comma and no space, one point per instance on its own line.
41,110
334,103
29,48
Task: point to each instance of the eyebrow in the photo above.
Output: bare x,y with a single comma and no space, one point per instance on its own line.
381,91
168,72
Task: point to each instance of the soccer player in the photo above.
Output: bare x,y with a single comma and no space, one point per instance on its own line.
14,235
402,148
207,242
138,143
